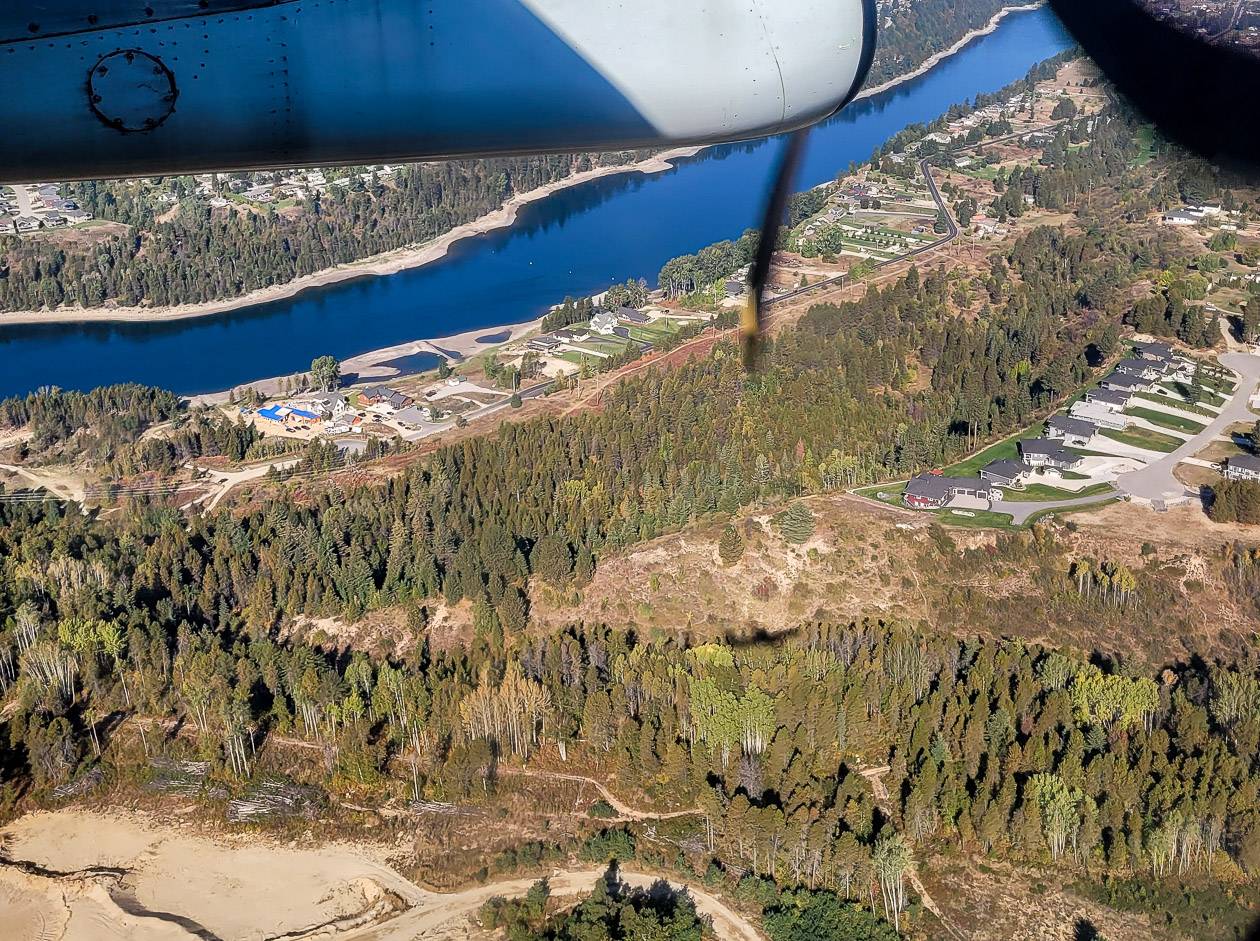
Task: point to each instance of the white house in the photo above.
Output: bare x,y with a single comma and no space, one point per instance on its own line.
1098,414
604,322
329,404
1242,467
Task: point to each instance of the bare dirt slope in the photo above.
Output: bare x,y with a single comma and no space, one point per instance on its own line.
869,560
75,875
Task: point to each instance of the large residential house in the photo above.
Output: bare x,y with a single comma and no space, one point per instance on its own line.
630,315
604,322
383,395
1147,369
1005,473
1159,352
544,344
1242,467
1111,399
933,491
1071,431
1099,414
1125,382
329,404
1041,452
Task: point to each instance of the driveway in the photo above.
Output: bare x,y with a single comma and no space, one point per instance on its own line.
1156,480
1020,510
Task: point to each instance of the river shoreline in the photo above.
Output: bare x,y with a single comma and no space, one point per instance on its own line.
411,257
374,365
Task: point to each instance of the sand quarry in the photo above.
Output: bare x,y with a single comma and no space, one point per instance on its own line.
77,875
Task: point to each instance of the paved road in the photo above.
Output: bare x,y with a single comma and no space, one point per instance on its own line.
1020,510
1156,480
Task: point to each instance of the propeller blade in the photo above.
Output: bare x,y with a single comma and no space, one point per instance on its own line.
759,273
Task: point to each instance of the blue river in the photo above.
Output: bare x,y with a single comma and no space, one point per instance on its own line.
576,242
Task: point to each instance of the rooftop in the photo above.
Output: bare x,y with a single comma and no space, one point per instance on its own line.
1010,469
1249,462
1072,426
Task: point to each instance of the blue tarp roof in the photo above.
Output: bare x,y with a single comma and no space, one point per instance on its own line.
271,411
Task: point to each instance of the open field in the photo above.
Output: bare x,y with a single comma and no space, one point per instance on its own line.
1176,403
1164,419
1048,492
1142,438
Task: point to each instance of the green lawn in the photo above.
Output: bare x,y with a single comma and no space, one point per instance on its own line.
1176,403
1047,492
1145,140
982,519
1143,438
1007,448
1204,395
1165,420
892,492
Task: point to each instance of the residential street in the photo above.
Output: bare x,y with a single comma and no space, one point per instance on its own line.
1156,480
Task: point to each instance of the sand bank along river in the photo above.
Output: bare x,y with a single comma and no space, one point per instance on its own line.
76,875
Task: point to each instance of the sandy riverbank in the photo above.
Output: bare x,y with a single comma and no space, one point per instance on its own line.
937,58
376,364
416,256
376,266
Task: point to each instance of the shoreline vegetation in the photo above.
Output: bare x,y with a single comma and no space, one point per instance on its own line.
417,256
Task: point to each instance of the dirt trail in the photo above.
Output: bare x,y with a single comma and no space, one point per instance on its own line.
876,778
625,810
438,910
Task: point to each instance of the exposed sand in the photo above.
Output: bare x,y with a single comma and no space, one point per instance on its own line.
384,264
179,885
936,58
373,364
245,889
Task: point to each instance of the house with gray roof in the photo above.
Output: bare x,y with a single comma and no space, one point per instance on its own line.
933,491
1111,399
1146,368
1241,467
1073,431
1005,473
1125,382
1042,452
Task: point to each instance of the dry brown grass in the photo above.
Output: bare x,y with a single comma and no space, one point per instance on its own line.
994,901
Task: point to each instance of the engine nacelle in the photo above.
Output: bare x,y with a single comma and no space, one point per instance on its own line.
106,88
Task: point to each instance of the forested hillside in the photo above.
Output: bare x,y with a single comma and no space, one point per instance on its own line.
189,253
195,254
912,30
